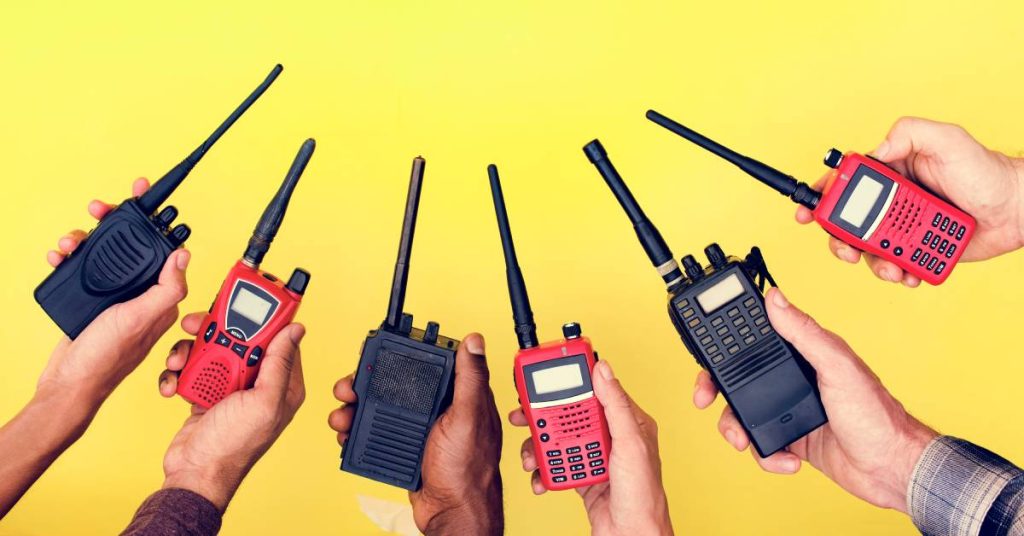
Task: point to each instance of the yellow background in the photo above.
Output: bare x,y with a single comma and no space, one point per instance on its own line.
93,97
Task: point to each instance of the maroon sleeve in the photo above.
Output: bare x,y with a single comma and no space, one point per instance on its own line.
175,512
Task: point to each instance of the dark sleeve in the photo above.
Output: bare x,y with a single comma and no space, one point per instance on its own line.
175,512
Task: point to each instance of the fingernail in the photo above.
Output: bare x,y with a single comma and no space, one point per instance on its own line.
183,259
780,299
475,344
790,465
890,275
847,254
882,150
605,369
730,436
297,333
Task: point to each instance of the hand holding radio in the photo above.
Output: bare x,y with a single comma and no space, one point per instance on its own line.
217,447
870,444
947,160
632,501
461,491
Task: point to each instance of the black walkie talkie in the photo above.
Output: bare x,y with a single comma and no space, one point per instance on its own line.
720,315
124,253
404,380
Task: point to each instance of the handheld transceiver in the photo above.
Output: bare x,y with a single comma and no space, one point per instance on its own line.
123,255
868,205
251,308
404,380
720,315
567,423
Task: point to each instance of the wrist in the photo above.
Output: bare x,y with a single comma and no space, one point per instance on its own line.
76,407
1018,168
214,482
481,512
908,451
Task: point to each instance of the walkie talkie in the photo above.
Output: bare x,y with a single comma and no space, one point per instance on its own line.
250,309
123,255
404,380
868,205
720,315
553,379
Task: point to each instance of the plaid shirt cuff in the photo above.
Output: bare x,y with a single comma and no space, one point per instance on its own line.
956,485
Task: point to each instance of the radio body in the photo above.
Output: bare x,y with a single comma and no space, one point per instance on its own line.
567,423
868,205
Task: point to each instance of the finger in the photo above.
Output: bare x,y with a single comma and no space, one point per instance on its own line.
536,484
168,383
518,417
139,186
826,352
618,409
98,209
804,215
911,280
70,241
471,373
731,429
282,352
527,455
192,322
296,394
169,290
912,135
342,437
782,462
704,391
843,251
340,420
883,269
343,390
179,355
54,258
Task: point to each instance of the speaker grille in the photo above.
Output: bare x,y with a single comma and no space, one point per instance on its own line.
574,420
211,383
407,383
116,259
757,360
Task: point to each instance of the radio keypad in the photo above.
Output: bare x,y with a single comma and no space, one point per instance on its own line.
578,469
747,322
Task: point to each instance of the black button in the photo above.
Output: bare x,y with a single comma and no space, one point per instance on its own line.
885,244
236,333
576,458
572,450
239,349
933,262
924,259
927,238
223,340
598,472
950,251
210,330
558,479
579,476
916,255
594,454
544,438
557,470
936,219
541,423
935,241
594,445
577,467
945,224
553,453
897,251
952,228
269,277
940,268
555,461
254,356
960,232
943,245
597,463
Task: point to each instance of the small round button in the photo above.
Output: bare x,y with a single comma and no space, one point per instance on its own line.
885,244
897,251
833,158
544,438
541,423
572,330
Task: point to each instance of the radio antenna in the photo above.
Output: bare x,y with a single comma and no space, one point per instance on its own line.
798,191
650,238
401,278
270,222
522,314
162,189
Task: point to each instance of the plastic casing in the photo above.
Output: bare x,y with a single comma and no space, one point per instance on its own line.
118,261
771,388
402,385
912,213
570,426
214,370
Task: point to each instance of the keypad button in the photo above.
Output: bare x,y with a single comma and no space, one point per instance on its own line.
734,348
933,262
239,349
579,476
700,331
597,463
897,251
716,359
576,458
572,450
722,330
916,255
597,472
594,445
254,356
717,321
594,454
713,348
945,224
739,321
950,251
733,312
693,322
936,219
210,330
927,238
748,302
576,467
557,470
556,461
706,340
688,312
729,340
559,479
760,320
553,453
223,340
885,244
749,339
744,330
943,246
924,259
755,311
940,268
960,232
765,330
544,438
953,227
935,242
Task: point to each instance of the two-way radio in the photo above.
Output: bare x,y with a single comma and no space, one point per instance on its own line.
404,380
866,204
720,314
123,255
250,309
567,424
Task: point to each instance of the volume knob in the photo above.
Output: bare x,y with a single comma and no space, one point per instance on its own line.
572,330
833,158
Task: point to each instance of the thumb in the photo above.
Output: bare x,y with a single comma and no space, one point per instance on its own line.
618,408
472,377
282,357
826,352
912,135
169,290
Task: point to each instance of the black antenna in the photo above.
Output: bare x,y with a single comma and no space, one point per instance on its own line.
522,314
648,234
798,191
270,222
398,283
162,189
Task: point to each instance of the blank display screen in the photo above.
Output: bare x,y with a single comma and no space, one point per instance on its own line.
858,206
720,294
555,379
251,306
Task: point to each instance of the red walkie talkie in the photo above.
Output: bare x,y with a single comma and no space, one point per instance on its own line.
868,205
567,423
251,308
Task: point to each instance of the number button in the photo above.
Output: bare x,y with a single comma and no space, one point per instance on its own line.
716,359
558,479
734,348
594,445
940,268
571,450
557,470
700,331
935,242
729,340
960,232
916,255
744,330
945,224
579,476
576,458
733,312
597,463
594,454
577,467
927,238
717,321
931,263
924,259
943,246
748,302
688,312
554,453
713,349
952,228
555,461
706,340
597,472
950,251
693,322
936,219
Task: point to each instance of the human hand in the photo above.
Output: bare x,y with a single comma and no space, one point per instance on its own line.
944,158
633,500
870,444
461,491
115,343
217,447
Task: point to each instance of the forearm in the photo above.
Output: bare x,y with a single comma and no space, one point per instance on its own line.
37,436
482,513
